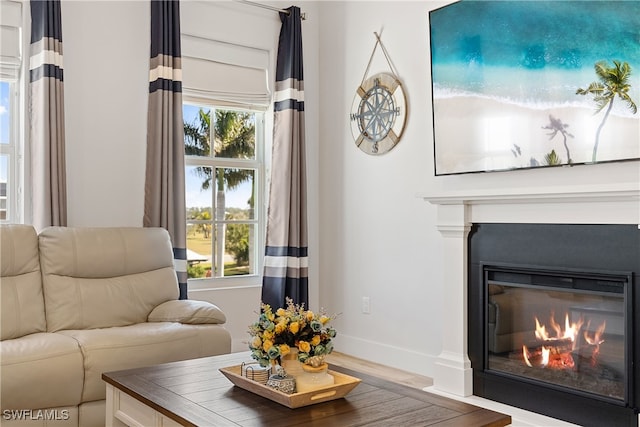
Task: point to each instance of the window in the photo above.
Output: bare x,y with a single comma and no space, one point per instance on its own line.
225,97
224,190
10,157
7,152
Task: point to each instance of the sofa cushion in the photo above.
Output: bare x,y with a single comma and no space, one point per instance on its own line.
188,312
22,304
104,277
92,414
128,347
41,370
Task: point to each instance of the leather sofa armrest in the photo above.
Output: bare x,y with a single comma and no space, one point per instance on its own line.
188,312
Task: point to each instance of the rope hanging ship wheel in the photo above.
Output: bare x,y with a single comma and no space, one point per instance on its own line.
379,110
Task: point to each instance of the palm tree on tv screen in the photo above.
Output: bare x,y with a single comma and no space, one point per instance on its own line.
556,126
612,82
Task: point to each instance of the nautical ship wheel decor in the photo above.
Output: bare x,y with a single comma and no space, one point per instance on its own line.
378,114
379,109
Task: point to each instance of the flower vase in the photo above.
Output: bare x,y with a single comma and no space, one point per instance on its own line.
313,378
291,364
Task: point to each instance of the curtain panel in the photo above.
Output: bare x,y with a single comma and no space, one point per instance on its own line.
286,260
46,132
164,199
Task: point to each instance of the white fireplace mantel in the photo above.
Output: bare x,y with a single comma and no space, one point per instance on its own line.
458,210
605,204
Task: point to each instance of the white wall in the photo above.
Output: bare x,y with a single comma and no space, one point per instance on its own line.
378,237
370,232
106,68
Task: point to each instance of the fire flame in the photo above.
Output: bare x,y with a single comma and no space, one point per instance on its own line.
545,356
526,355
555,351
595,341
597,335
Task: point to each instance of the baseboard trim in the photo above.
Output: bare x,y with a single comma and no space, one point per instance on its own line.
384,354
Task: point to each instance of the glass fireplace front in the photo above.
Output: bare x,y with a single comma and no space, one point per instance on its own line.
563,329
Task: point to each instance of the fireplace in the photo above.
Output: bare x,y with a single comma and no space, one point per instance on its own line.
551,309
565,329
460,213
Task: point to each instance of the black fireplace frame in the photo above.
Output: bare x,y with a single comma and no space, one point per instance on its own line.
598,248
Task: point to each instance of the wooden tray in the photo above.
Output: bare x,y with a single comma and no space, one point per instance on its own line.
343,385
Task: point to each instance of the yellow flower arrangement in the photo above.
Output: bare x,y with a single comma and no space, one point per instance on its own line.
274,334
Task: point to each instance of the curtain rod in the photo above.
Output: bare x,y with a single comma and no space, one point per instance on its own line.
265,6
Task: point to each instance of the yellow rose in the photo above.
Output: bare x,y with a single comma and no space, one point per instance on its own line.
304,346
315,340
281,312
256,342
267,345
268,335
310,316
294,327
284,349
280,327
324,319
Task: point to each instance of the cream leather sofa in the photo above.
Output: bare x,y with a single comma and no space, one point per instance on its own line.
77,302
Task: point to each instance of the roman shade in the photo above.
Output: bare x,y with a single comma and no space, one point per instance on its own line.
10,39
229,74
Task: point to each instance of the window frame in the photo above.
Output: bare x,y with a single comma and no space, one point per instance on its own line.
14,70
14,157
257,164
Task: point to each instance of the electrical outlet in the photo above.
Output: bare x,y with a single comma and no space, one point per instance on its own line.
366,305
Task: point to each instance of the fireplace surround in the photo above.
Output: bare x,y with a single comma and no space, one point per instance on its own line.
458,211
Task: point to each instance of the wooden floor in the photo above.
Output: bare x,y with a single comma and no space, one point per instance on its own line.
391,374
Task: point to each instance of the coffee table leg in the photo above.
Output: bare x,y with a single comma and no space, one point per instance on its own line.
110,409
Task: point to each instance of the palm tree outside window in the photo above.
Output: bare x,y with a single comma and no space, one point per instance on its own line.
223,154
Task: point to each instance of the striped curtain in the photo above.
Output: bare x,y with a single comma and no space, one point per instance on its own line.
286,261
49,184
164,191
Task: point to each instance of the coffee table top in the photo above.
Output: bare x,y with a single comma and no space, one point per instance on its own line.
195,393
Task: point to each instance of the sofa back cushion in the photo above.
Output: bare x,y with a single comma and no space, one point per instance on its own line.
104,277
20,282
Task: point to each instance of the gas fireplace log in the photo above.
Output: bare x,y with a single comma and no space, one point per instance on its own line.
561,345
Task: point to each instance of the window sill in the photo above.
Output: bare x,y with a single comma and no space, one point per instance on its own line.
229,283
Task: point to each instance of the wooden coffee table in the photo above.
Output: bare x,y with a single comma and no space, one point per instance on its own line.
195,393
